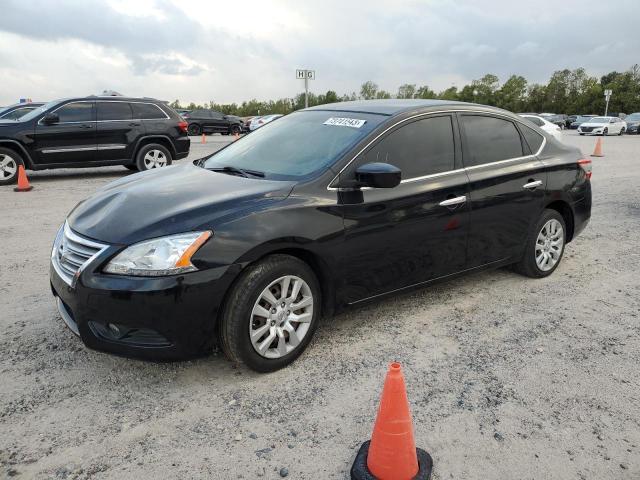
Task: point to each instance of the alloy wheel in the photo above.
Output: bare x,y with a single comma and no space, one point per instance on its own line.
8,167
549,245
281,317
155,159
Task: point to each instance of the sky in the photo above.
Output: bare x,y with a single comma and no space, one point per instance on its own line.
226,52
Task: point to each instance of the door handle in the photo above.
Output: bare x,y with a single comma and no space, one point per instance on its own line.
134,124
450,202
532,185
84,125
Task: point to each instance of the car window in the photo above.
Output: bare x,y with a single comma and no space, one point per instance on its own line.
76,112
533,138
17,113
147,111
490,139
423,147
535,121
114,111
298,145
216,115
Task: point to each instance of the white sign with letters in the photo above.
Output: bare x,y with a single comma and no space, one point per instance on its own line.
345,122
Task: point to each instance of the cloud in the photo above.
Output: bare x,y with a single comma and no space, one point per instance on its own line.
201,50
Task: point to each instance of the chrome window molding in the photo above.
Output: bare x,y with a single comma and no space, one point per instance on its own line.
166,117
435,175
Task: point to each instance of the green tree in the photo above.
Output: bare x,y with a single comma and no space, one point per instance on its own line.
450,93
425,92
406,90
368,90
513,94
381,94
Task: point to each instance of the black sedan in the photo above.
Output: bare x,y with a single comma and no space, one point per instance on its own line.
633,123
330,206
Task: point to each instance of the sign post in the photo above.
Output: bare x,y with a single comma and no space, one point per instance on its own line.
306,75
607,96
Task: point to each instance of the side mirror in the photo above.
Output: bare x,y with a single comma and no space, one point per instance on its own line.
50,118
378,175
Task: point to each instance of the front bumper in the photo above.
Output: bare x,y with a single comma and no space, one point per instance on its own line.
595,131
163,318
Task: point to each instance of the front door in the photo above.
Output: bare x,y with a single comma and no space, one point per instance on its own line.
416,231
72,139
506,183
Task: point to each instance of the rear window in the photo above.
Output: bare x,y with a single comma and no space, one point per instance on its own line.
147,111
114,111
490,139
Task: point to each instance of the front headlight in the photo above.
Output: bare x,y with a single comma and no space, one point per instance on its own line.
161,256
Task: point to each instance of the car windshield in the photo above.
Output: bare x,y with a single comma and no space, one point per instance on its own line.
297,145
599,120
583,119
37,111
634,117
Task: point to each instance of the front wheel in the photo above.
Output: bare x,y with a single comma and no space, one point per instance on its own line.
271,313
544,247
9,163
151,156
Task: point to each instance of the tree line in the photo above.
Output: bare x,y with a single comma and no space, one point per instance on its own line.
567,91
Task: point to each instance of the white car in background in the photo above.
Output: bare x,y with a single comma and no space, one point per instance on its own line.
258,122
545,125
603,126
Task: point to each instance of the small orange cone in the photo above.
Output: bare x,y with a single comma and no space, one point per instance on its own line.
597,152
23,181
204,138
391,454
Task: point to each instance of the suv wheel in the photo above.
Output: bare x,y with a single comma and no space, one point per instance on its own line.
9,163
544,247
193,129
235,129
151,156
271,313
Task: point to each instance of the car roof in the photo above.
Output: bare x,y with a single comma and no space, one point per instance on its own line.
394,106
114,98
24,104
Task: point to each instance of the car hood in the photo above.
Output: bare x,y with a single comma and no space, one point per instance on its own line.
4,122
169,200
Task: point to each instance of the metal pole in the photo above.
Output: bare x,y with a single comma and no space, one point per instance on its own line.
306,90
606,108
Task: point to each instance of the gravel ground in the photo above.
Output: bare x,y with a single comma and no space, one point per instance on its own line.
508,377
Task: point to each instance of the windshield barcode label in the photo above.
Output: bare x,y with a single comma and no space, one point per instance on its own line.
345,122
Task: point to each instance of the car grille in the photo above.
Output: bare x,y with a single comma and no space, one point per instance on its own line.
586,129
71,253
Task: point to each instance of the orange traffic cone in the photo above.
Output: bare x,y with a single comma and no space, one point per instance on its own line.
597,152
23,181
391,454
204,138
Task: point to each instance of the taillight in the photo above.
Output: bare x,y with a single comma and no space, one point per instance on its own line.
585,164
183,126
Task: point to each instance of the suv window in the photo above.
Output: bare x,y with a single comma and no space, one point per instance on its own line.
490,139
17,113
114,111
423,147
216,115
147,111
76,112
533,138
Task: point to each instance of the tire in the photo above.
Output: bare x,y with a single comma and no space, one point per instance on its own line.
245,302
194,129
605,132
9,163
234,129
529,265
621,132
146,159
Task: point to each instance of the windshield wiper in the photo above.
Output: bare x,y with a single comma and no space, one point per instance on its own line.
238,171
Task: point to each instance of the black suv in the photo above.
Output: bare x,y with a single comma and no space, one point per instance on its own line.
139,133
209,121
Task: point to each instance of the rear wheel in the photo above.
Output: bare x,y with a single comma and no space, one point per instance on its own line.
622,131
9,163
151,156
194,129
605,132
544,247
234,130
271,313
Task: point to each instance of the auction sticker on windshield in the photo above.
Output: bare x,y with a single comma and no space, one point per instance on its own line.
345,122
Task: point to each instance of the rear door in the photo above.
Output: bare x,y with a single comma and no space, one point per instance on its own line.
117,130
72,139
414,232
507,184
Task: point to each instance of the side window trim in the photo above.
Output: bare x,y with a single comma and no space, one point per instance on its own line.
93,112
166,117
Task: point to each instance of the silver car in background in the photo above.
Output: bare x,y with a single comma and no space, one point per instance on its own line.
257,122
